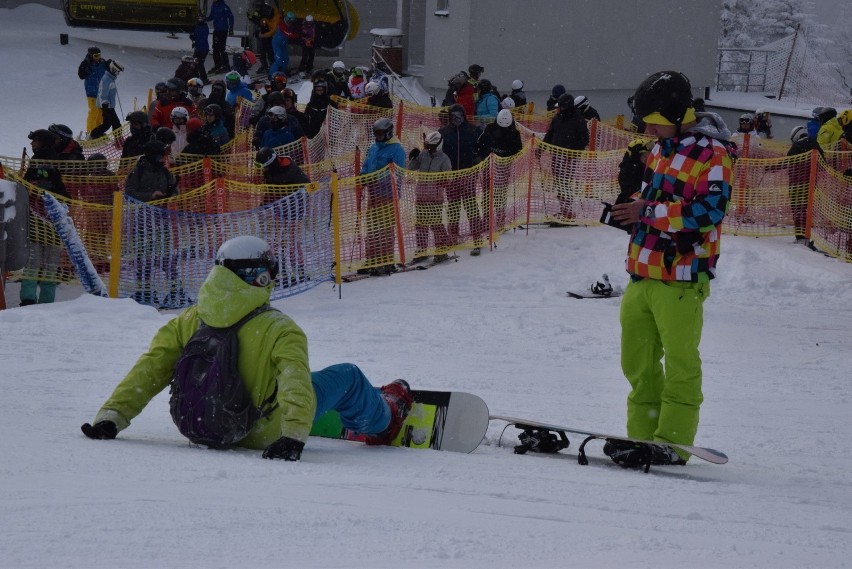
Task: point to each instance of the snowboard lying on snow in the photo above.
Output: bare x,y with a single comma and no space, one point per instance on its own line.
550,439
439,420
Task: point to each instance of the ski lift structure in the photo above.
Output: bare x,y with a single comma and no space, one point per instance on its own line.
336,20
153,15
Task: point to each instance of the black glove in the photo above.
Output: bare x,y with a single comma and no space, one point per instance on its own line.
286,448
104,106
100,430
415,152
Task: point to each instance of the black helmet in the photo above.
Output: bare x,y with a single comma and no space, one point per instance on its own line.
275,99
94,49
165,135
154,150
565,102
484,86
826,114
213,109
43,136
96,157
699,105
138,116
265,157
667,93
475,69
61,130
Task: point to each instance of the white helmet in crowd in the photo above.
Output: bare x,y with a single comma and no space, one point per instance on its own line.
338,65
434,138
504,118
309,18
179,113
507,103
581,102
115,67
372,88
517,84
798,134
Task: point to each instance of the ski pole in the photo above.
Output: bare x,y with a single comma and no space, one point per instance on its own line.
118,98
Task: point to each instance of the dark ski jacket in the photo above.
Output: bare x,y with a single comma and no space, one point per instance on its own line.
460,143
134,145
222,17
91,71
148,177
568,129
199,38
501,141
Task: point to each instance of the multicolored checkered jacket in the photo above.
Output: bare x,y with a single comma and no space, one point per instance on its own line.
687,190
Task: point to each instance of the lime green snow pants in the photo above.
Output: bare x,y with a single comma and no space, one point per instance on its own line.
663,320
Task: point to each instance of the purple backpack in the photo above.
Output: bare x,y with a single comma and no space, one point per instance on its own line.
210,403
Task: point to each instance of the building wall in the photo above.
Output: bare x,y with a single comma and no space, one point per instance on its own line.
590,46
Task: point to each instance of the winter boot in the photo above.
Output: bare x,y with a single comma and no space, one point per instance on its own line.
397,394
440,258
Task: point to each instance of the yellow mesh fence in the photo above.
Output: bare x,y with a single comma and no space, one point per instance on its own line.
394,215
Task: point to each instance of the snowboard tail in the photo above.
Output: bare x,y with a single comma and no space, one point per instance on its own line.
549,438
440,420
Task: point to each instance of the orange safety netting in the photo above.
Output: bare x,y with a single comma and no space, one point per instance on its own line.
394,215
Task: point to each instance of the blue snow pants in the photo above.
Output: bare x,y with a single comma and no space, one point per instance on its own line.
345,388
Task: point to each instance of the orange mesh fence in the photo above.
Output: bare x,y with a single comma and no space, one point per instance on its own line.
393,216
831,219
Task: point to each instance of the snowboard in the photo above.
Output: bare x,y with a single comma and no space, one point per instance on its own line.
562,442
440,420
590,294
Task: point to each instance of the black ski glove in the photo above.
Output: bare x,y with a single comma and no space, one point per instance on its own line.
286,448
100,430
415,152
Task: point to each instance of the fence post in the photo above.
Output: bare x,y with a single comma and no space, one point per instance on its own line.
491,216
533,153
396,212
811,190
335,228
115,244
400,113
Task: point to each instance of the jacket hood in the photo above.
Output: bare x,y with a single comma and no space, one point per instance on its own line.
224,298
712,125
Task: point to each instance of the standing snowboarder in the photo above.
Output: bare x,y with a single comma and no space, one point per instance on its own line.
671,258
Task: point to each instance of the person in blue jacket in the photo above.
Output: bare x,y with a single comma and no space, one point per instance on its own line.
200,45
107,96
487,105
91,69
236,89
278,133
381,224
223,26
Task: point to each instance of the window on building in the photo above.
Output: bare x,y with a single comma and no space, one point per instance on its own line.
443,8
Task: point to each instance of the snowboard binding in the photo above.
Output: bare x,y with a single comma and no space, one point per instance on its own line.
602,287
541,440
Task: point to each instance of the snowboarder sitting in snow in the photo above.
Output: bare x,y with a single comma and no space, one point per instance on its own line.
273,362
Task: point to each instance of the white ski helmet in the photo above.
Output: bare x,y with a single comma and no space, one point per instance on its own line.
250,258
507,103
517,84
338,65
372,88
277,113
179,113
504,118
434,138
581,102
115,67
798,134
309,18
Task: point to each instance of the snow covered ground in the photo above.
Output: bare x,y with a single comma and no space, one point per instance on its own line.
777,348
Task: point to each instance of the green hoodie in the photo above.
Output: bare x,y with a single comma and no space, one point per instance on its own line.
273,354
